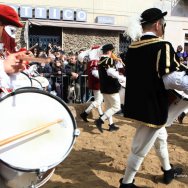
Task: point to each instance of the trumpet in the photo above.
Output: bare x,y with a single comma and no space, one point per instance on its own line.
114,57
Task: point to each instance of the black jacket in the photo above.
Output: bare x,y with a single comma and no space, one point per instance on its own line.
108,84
146,99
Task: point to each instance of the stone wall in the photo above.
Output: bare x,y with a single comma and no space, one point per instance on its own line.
20,38
76,39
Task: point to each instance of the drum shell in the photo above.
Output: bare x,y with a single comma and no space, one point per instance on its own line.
177,104
20,80
10,169
13,178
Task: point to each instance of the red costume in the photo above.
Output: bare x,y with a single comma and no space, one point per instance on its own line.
93,82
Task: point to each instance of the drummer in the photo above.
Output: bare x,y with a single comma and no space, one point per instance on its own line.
159,70
9,62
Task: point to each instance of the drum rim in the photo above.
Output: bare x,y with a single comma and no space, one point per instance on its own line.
33,78
22,72
46,80
36,90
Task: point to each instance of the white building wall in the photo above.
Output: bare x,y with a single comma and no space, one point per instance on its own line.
121,10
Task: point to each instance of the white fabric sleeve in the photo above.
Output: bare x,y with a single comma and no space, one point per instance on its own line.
4,78
115,74
95,73
176,80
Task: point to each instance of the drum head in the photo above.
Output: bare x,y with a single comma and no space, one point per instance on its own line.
20,80
44,81
36,83
26,109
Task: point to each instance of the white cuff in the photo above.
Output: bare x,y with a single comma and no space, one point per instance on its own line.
113,73
176,80
4,78
95,73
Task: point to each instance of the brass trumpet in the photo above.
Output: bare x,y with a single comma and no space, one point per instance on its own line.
114,56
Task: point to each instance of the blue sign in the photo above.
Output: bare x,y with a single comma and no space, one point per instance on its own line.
105,20
41,13
68,14
54,13
81,16
26,11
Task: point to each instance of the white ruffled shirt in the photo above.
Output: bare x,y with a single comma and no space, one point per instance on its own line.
4,77
8,82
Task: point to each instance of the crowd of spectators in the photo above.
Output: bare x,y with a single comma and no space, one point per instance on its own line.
182,54
66,75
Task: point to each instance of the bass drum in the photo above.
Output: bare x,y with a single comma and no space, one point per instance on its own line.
36,83
31,160
178,103
20,80
44,81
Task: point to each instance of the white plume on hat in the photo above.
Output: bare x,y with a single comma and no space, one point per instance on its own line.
82,55
134,28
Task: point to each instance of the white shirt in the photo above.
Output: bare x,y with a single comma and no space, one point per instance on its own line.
4,78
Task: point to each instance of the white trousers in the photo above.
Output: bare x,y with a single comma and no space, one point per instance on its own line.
97,103
98,98
112,104
145,138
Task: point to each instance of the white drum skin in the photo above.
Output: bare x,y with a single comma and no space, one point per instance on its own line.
20,80
178,105
32,159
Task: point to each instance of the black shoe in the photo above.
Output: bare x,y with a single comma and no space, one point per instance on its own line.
112,127
128,185
84,115
99,123
169,175
180,117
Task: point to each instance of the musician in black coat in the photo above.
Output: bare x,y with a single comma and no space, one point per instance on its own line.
109,79
151,69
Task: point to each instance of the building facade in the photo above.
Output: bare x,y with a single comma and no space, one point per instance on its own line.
81,24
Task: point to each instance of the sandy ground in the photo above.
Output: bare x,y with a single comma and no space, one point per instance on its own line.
98,160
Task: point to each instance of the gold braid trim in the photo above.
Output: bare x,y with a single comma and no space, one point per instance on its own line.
145,42
167,58
157,64
145,124
106,59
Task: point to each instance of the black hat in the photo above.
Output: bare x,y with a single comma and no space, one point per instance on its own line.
151,15
107,47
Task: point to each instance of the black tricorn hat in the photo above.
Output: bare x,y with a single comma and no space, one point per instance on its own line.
107,47
152,14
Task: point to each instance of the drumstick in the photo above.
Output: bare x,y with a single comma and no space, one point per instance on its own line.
36,59
33,47
26,133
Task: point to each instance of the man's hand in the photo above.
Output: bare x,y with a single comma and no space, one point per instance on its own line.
74,75
13,63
